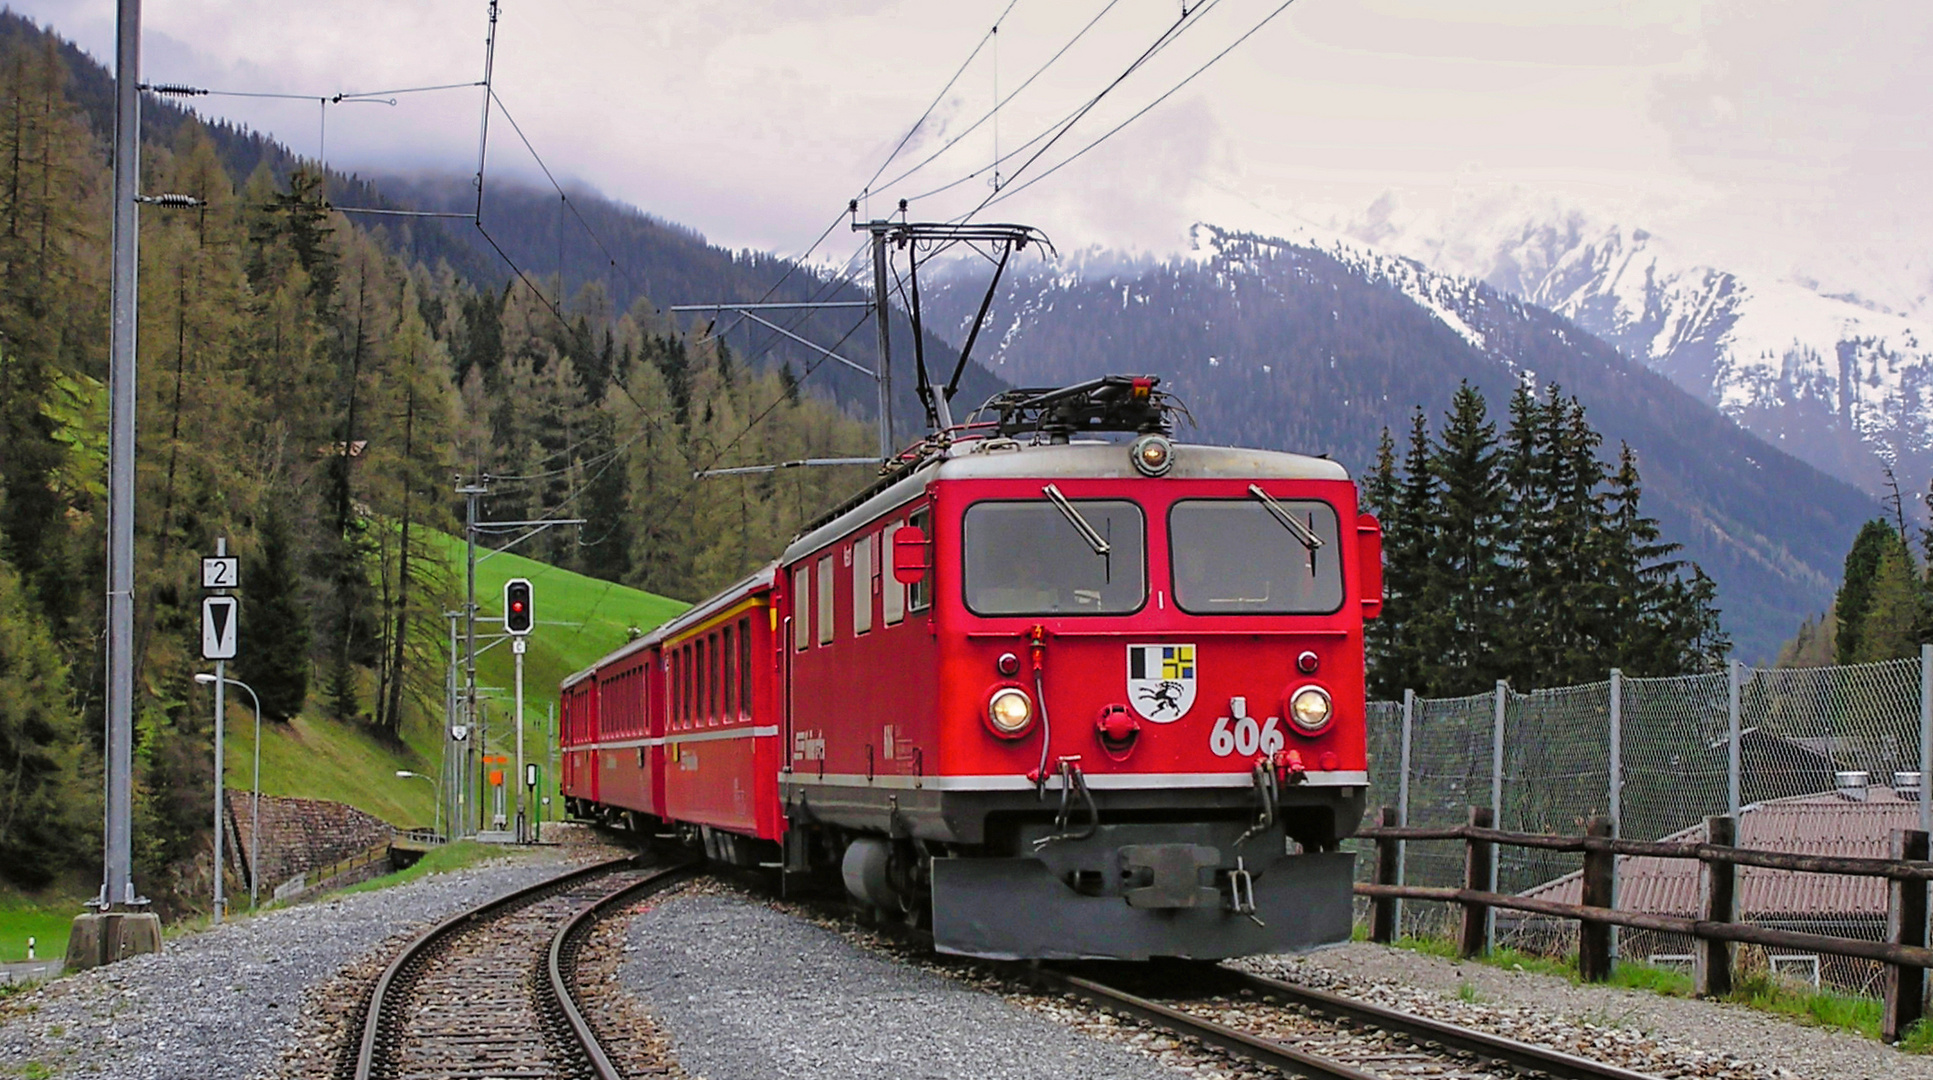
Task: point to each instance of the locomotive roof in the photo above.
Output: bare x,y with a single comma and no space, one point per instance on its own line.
1003,458
753,582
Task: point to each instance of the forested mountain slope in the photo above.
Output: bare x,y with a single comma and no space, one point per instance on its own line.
1297,347
310,390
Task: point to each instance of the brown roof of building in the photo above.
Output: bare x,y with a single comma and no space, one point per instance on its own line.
1827,824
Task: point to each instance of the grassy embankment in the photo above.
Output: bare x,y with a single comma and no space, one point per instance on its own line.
579,619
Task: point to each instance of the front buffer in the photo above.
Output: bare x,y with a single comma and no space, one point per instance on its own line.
1131,892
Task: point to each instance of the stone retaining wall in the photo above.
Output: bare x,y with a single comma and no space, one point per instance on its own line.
299,835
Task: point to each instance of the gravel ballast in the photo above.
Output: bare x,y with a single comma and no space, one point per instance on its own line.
225,1004
1648,1032
749,993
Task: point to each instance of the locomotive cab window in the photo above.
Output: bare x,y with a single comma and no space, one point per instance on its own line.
801,607
892,595
826,605
919,595
1054,557
1241,557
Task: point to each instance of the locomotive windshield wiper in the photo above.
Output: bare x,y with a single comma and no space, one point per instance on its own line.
1074,518
1301,532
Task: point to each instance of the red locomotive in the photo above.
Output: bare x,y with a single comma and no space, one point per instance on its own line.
1051,695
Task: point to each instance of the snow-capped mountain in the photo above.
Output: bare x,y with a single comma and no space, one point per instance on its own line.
1843,383
1318,344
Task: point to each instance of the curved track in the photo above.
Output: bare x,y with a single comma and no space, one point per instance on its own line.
487,993
1310,1033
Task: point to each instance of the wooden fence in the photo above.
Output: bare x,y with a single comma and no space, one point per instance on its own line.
1904,953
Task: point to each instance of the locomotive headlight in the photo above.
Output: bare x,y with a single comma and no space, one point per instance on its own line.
1152,455
1009,711
1309,709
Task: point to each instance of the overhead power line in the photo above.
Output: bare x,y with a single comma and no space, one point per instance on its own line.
1011,191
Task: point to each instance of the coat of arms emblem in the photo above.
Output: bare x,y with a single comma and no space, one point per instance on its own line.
1161,681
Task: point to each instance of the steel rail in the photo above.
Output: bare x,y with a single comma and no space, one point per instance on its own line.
1554,1063
564,946
1276,1055
380,1007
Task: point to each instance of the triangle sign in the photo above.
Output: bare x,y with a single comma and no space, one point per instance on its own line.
218,627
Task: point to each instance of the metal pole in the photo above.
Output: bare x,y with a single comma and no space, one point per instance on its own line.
1402,798
451,790
517,646
1734,676
882,312
1615,780
255,810
1616,771
117,872
1926,738
1496,807
221,706
470,493
221,709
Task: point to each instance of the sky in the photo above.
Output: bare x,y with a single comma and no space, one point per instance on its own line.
1788,137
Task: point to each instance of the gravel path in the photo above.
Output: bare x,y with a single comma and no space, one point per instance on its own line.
1657,1035
225,1003
749,993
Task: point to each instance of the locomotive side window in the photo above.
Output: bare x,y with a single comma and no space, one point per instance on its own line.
1030,558
919,595
862,585
1236,557
745,667
892,595
826,606
801,607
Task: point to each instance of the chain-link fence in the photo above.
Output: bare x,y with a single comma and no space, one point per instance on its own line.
1814,760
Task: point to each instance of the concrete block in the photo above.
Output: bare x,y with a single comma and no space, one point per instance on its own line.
101,938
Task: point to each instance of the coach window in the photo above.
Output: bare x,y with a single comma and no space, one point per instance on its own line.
801,607
711,674
684,664
701,661
826,607
892,595
919,595
731,672
745,667
862,585
672,696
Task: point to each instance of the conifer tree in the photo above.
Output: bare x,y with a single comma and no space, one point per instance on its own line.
1468,561
274,621
1855,595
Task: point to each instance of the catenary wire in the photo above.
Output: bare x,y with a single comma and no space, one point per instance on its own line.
1059,127
1012,190
939,97
1000,104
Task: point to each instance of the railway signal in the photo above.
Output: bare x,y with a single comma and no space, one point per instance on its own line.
516,607
517,620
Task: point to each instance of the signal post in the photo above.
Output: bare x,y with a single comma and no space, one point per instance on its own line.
517,620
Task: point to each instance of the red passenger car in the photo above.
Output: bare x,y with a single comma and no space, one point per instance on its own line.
1054,697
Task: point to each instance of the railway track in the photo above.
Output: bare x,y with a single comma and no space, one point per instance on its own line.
1309,1033
488,993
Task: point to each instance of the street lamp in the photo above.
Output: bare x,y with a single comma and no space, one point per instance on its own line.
255,800
438,786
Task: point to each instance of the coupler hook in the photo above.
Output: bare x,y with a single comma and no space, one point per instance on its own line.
1241,892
